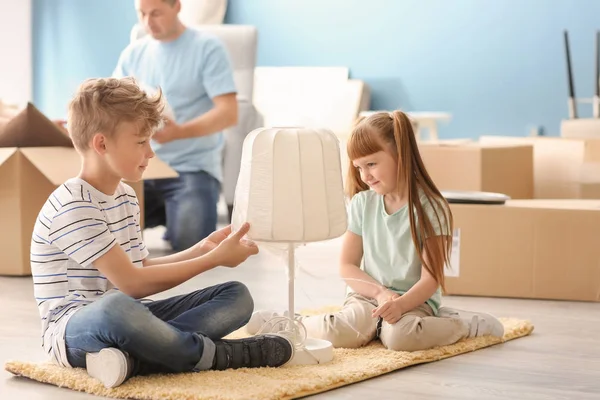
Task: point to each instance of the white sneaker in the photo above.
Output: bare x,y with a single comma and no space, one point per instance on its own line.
478,323
259,320
110,366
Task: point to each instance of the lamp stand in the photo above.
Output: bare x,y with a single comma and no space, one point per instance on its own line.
307,350
291,277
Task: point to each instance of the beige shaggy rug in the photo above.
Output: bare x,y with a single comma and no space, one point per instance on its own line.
349,366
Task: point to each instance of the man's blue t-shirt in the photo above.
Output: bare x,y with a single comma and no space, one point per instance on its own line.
190,71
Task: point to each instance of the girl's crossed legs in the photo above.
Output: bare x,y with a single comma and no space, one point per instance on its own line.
354,326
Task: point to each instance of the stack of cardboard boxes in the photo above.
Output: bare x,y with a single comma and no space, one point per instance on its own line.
541,244
35,158
476,166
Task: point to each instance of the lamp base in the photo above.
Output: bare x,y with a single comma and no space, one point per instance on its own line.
314,351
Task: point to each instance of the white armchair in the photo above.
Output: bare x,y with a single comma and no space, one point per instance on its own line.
241,42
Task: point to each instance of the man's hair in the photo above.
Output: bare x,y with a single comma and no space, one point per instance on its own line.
101,104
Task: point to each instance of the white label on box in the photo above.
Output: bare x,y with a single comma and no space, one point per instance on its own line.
454,268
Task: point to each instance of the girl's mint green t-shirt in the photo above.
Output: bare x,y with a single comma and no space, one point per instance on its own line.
389,255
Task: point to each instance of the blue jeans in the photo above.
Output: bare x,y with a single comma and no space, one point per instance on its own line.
163,336
186,205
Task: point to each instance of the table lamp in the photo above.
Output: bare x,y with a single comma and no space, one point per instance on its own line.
290,191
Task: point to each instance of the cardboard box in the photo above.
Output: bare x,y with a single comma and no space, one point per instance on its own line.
27,177
563,168
538,249
36,157
580,128
28,127
474,166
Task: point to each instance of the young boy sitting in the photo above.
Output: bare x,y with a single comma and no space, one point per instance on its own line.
91,269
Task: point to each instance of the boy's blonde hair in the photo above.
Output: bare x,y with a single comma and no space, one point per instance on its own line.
101,104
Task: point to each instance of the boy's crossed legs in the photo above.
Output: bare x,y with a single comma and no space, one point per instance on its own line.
178,334
353,326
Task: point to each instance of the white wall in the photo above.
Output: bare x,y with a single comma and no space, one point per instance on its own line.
16,50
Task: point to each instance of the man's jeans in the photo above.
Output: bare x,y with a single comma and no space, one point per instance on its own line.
163,336
186,205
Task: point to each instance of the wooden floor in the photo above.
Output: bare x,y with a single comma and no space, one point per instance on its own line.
560,360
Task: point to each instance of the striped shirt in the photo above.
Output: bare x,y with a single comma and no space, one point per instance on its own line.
77,225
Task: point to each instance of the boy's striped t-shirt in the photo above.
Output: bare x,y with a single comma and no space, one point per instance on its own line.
77,225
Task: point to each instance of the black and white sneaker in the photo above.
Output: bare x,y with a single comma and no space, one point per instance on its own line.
110,366
253,352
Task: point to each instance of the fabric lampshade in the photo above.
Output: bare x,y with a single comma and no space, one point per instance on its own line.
290,186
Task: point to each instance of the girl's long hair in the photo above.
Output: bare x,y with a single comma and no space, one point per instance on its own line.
394,130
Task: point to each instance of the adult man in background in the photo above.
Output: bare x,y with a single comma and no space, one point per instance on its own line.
194,72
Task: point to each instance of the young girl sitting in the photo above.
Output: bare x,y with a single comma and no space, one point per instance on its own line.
399,238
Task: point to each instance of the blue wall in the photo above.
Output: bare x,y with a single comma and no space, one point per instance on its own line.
74,40
497,65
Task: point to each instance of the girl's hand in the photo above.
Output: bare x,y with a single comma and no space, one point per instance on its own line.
385,295
390,311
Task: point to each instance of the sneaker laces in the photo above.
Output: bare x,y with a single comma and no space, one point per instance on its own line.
292,329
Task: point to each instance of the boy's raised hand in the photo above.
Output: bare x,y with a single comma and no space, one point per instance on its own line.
211,241
235,249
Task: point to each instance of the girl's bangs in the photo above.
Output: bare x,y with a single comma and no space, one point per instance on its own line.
363,142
